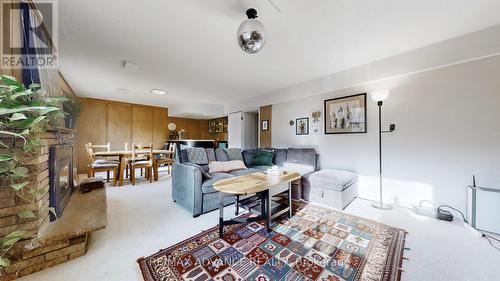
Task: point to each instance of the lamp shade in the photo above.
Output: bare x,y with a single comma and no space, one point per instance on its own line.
380,95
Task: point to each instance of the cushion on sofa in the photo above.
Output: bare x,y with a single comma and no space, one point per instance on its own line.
263,158
208,185
226,166
204,171
183,156
279,157
221,154
299,168
234,153
197,155
248,155
306,156
211,154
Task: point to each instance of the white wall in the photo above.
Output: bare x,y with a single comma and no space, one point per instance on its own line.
235,130
447,128
251,122
242,130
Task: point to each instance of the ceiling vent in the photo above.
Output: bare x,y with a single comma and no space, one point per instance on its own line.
130,66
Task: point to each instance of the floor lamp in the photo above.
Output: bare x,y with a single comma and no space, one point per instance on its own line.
379,97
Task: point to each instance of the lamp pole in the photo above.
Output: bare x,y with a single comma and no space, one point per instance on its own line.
380,205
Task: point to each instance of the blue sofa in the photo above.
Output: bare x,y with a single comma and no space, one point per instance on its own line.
196,193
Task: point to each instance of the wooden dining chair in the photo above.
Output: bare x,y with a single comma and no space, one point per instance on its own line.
103,159
138,158
165,159
98,165
142,158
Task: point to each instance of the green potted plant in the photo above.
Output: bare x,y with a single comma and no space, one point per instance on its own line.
25,112
71,109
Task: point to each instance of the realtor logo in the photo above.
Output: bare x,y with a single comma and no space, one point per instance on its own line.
28,33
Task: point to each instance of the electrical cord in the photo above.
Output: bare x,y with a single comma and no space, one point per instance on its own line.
455,209
488,237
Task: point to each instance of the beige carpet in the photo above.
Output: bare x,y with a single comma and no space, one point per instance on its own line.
143,219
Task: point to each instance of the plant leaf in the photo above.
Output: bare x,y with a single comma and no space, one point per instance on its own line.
35,86
52,210
4,262
21,94
10,81
42,109
57,99
17,116
13,134
48,109
19,186
5,157
32,145
37,193
4,168
4,111
26,214
38,119
3,144
11,238
20,171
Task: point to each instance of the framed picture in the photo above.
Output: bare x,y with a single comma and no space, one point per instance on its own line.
316,122
302,126
265,125
316,117
346,115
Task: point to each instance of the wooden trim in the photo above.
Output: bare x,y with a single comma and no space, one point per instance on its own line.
266,113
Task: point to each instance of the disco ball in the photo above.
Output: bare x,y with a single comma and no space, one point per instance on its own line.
251,33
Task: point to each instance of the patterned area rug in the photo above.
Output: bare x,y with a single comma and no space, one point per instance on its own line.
317,243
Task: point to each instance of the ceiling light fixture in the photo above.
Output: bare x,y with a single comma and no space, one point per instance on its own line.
251,33
158,92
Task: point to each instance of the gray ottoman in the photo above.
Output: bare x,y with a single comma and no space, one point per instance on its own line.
334,188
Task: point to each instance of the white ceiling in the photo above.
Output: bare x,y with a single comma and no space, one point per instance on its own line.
189,47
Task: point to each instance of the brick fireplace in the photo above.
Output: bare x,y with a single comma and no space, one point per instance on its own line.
49,243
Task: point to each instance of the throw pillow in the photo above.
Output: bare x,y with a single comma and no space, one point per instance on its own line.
211,154
203,172
226,166
234,153
263,158
197,155
221,154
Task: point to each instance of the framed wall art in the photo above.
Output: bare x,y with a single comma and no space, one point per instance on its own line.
302,126
346,115
316,122
265,125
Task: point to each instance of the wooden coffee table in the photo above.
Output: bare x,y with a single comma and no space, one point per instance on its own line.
263,187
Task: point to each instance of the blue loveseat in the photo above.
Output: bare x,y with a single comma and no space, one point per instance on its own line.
196,193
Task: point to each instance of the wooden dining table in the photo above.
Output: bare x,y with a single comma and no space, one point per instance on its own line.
124,154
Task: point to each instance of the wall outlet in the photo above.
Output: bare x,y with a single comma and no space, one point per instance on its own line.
426,211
